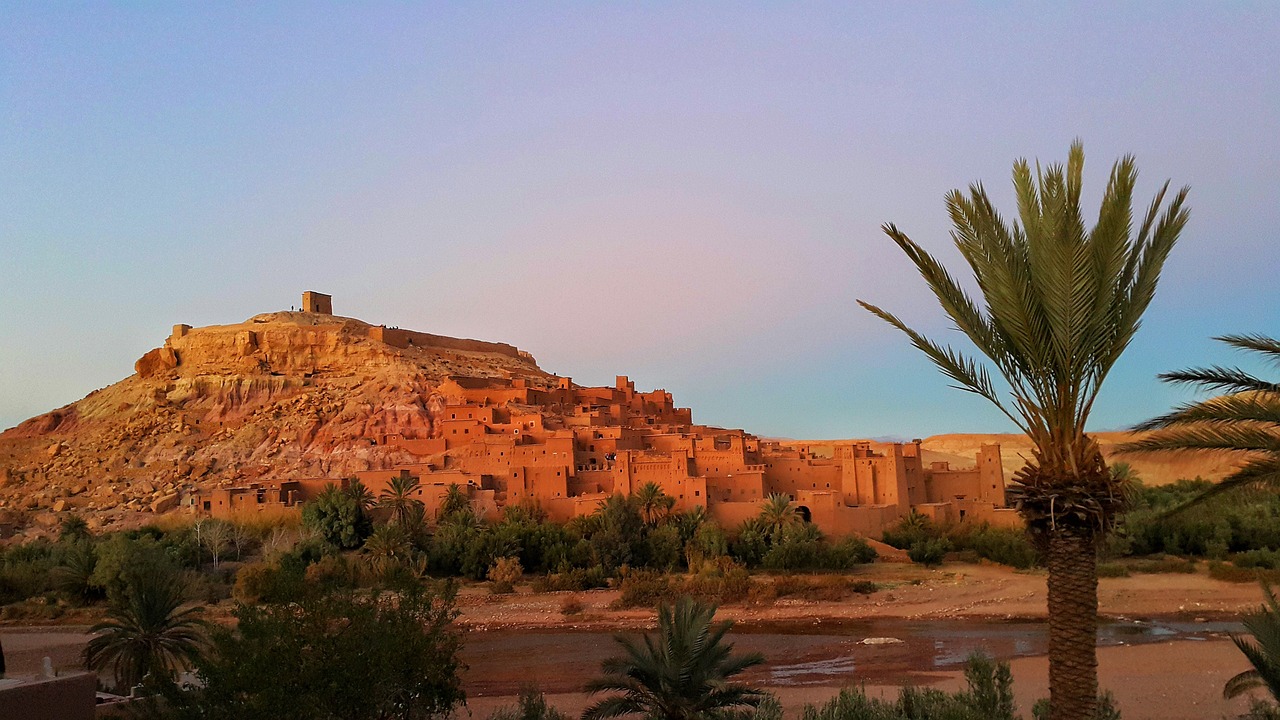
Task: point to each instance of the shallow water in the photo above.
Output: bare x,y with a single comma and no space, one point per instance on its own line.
503,661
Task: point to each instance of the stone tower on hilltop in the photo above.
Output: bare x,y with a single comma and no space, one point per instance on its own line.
319,303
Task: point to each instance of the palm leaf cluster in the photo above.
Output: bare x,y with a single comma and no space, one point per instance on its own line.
147,635
1263,650
1242,421
1060,303
680,673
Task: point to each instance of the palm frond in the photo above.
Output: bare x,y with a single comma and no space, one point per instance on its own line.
1222,379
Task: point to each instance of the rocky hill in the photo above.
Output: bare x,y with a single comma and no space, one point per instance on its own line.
1014,449
283,394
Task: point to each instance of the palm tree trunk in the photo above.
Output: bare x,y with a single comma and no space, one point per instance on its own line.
1073,624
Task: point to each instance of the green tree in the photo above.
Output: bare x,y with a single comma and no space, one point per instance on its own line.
682,672
399,500
1061,303
455,501
361,494
73,527
1241,422
655,504
333,656
1263,650
338,517
147,635
777,515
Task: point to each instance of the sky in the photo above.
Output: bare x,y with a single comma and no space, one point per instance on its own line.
690,194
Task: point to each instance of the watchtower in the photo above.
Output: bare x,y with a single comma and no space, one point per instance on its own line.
319,303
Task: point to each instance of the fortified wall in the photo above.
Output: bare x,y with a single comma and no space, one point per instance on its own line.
566,448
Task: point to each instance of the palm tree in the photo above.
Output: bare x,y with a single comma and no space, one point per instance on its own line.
1060,304
387,548
1263,651
454,502
655,504
146,634
399,498
680,673
360,492
777,515
1242,422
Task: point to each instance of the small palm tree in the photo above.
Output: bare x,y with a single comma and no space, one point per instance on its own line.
1263,651
655,504
455,501
359,492
680,673
1243,421
777,515
147,635
387,548
399,498
1060,303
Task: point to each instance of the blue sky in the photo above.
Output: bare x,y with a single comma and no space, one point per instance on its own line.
689,194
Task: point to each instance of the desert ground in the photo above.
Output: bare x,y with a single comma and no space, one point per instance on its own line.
1164,649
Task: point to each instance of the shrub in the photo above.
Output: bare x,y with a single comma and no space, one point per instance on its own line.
910,530
1162,565
1264,559
571,606
929,552
358,656
1112,570
864,587
989,697
575,579
532,705
338,517
644,588
505,570
1007,546
1231,573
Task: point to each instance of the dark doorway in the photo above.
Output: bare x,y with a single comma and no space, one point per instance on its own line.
804,513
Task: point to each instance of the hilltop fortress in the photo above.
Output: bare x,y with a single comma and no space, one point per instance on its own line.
548,442
260,415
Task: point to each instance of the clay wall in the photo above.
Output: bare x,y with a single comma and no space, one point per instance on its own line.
788,475
729,515
432,446
480,413
742,487
396,337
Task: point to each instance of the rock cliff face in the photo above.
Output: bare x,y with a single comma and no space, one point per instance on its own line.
281,395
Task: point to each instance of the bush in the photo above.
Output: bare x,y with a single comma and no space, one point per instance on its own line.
644,588
719,582
1107,709
576,579
1007,546
929,553
505,570
989,697
532,705
338,517
1112,570
357,656
571,606
1231,573
1264,559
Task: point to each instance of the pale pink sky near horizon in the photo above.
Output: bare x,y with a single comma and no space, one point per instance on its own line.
687,194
